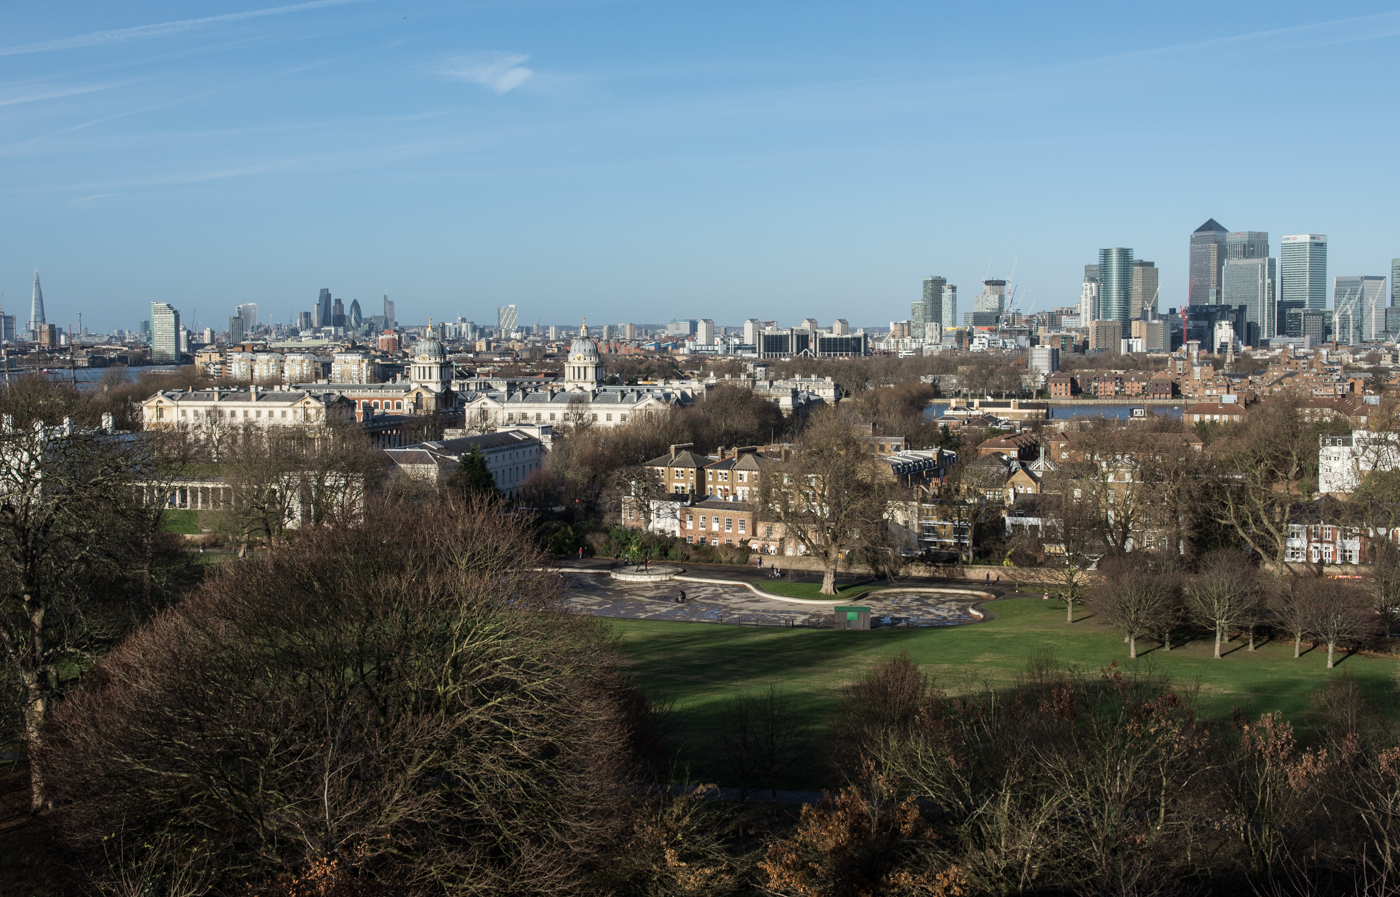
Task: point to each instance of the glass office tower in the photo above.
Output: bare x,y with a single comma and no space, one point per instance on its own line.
1207,260
1358,309
1250,282
1247,244
1302,263
1116,286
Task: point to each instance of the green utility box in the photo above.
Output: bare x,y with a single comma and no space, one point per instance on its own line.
852,618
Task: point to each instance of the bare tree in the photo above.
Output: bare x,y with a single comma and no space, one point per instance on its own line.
828,495
1072,543
1132,597
82,555
1223,594
759,739
406,693
1339,617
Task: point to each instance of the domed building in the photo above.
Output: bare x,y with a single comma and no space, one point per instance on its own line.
583,400
584,369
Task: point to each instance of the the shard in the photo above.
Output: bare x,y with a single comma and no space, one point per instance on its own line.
36,308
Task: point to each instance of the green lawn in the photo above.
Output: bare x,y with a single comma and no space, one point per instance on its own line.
695,666
185,523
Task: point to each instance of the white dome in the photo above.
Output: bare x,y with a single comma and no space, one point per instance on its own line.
430,350
584,351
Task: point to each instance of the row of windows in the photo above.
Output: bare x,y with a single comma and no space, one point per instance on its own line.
231,413
396,405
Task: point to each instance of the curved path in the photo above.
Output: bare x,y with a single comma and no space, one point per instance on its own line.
724,601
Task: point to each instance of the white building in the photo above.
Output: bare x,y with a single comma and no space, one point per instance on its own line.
207,410
705,332
583,400
511,456
350,367
1343,460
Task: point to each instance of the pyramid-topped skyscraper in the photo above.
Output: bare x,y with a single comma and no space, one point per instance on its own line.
1208,255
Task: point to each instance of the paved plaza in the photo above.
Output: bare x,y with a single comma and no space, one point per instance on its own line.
736,603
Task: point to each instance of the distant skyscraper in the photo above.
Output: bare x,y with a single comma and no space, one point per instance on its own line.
248,311
338,313
992,299
1394,279
165,333
356,318
1144,302
752,328
705,332
1207,261
1089,296
1116,286
390,322
235,329
305,320
322,316
1251,282
1246,244
1358,309
950,307
36,309
928,309
1302,266
507,318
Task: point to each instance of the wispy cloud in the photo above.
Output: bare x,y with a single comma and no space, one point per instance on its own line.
35,94
497,72
161,29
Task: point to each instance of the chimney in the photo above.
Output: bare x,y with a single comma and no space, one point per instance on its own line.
253,392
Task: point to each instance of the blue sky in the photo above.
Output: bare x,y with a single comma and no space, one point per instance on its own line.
648,160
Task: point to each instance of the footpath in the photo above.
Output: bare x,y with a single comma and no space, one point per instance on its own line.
762,577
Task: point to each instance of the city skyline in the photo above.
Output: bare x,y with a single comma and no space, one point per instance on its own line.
467,159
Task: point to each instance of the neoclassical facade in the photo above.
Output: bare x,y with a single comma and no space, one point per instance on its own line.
583,399
426,390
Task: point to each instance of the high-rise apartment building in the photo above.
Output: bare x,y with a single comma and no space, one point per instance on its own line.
1208,249
752,328
1302,264
1089,295
928,309
507,318
36,309
1144,301
1116,286
235,329
705,332
390,322
1246,244
950,307
1251,282
7,328
248,311
629,331
1358,309
165,333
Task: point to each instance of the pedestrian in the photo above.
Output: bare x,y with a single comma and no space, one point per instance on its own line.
1045,597
580,552
989,578
760,562
648,565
